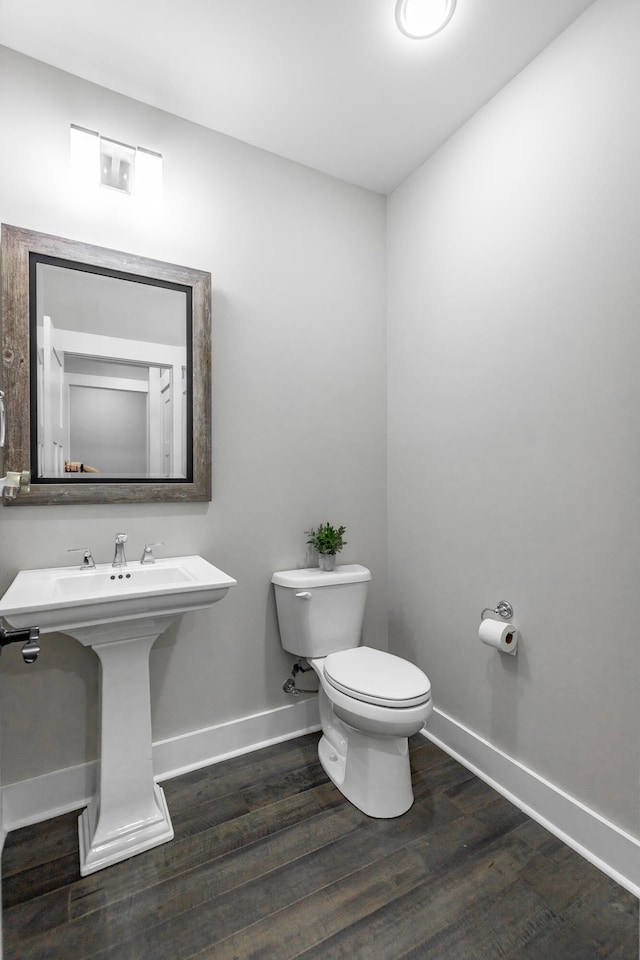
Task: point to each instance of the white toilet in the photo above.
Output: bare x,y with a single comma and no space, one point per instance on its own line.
370,701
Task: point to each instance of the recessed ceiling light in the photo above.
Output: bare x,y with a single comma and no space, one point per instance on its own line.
420,19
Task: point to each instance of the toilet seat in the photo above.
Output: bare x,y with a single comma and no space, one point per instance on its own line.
373,676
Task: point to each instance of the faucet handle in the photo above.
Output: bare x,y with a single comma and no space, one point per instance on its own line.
88,563
147,553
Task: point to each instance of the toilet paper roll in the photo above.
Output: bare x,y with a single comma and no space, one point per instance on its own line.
501,636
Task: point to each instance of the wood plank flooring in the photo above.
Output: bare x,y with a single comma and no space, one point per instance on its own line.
270,862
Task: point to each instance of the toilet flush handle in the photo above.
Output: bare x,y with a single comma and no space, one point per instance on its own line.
303,595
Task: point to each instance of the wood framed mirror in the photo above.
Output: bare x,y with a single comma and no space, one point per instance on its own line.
106,373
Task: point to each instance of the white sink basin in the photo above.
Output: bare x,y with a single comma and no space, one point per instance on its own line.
64,598
119,612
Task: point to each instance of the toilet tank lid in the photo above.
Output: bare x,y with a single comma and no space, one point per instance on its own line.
308,577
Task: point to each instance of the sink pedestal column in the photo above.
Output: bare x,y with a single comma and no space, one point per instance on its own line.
129,813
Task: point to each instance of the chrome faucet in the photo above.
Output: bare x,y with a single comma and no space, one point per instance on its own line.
119,559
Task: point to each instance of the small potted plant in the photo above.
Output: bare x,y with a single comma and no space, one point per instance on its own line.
328,541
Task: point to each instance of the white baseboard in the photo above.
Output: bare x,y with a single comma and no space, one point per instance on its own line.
603,844
610,849
198,749
31,801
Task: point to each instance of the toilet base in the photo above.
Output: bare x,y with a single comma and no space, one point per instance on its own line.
374,774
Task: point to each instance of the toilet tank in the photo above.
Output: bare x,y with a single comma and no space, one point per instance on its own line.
321,612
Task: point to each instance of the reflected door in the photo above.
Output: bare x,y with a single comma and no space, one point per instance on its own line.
161,422
54,424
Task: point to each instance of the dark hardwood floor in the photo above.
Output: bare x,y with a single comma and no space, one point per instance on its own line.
269,862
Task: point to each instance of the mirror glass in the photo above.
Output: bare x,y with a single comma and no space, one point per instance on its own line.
106,372
110,373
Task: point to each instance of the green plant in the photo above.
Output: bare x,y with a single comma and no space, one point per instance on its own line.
327,539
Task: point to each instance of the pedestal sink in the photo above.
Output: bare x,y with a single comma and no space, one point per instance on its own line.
119,612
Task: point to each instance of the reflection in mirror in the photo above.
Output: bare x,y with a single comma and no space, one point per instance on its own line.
106,371
110,361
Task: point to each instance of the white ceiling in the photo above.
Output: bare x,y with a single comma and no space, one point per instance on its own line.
329,83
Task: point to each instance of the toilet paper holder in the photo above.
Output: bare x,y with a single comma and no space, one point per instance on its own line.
503,608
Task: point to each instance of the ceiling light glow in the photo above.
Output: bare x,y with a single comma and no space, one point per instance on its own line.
148,175
420,19
85,156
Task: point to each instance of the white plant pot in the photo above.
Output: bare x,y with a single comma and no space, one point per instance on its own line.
327,561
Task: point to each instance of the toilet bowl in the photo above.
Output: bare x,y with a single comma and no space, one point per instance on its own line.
364,748
370,701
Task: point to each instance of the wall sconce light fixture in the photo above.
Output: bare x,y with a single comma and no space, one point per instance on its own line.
101,161
420,19
117,164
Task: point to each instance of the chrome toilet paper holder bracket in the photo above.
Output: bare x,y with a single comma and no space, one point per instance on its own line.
503,608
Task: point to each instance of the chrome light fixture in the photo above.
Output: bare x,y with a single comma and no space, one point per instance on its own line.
117,163
101,161
420,19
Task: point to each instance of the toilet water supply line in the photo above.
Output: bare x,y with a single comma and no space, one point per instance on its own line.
289,686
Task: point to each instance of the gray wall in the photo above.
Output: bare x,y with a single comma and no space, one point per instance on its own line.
299,403
109,430
514,434
513,397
